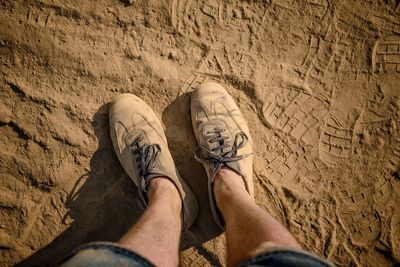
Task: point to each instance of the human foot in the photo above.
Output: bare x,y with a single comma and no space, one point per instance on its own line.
141,146
162,186
223,137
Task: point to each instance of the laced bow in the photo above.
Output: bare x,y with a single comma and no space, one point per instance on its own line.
217,155
145,157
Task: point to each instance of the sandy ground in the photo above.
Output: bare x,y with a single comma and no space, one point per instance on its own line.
317,80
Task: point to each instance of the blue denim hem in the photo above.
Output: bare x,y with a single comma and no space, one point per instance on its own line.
277,257
114,248
280,256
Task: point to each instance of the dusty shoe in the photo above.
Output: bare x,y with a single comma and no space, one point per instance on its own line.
141,146
223,137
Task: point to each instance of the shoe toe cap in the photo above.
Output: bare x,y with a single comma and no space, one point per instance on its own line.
123,102
209,89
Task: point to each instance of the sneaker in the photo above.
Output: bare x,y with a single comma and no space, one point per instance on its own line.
142,149
223,137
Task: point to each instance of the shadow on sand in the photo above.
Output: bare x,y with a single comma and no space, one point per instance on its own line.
182,143
104,202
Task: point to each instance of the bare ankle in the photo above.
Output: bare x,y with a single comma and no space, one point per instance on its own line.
162,187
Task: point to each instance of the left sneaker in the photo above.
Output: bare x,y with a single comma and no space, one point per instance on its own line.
142,149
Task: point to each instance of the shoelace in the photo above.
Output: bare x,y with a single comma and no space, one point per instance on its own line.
145,157
240,141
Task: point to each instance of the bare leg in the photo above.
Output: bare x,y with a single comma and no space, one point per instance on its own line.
247,225
156,235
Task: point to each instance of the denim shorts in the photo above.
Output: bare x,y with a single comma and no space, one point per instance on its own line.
109,254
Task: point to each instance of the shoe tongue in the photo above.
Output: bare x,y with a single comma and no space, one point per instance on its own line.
209,130
132,136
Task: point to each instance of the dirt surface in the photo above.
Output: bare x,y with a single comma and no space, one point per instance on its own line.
317,80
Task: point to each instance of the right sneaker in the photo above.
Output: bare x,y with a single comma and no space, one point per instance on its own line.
223,137
142,149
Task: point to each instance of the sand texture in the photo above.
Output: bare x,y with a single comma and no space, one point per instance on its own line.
317,80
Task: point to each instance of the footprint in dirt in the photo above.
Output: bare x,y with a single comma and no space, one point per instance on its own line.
226,62
386,56
296,112
331,124
386,70
194,18
337,137
379,124
358,211
373,127
358,218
